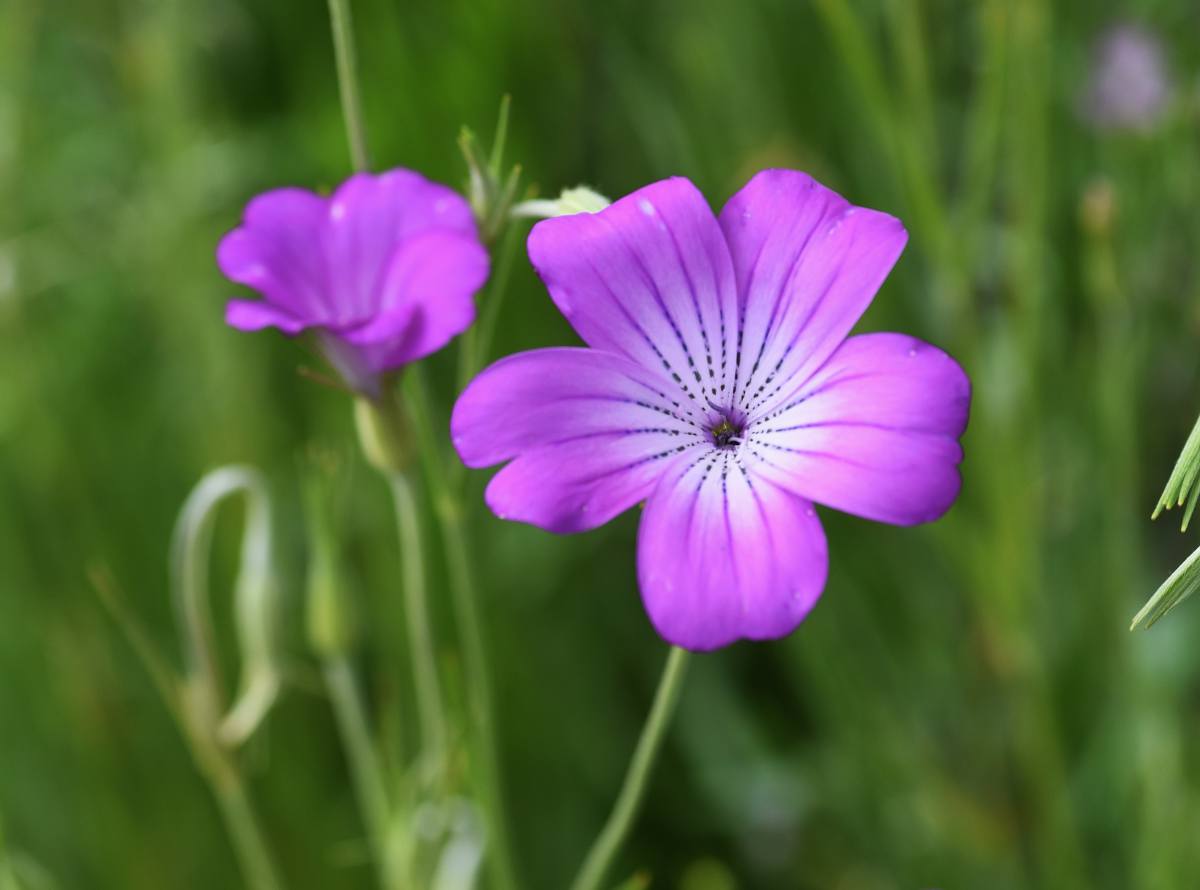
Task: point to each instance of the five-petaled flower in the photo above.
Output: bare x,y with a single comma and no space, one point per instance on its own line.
720,388
384,270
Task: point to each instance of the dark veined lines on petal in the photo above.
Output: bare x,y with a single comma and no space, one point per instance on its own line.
647,339
709,461
760,457
716,290
732,551
836,380
652,286
860,424
809,452
691,288
741,323
613,471
782,299
757,400
621,432
649,406
764,520
783,291
708,458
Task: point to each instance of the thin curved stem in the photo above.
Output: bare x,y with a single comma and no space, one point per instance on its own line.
620,821
420,633
369,782
347,73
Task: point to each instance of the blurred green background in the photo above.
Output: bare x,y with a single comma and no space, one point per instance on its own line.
966,707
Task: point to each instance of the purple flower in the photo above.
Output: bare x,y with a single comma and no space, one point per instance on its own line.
1129,86
385,269
721,389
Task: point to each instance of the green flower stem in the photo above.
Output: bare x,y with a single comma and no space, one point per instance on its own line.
476,342
199,702
332,632
620,821
347,73
420,632
906,30
479,693
982,142
365,770
242,822
912,168
8,872
384,433
420,636
216,763
461,585
447,484
447,506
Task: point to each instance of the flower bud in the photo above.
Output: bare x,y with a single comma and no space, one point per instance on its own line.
1098,208
490,191
580,199
383,433
331,619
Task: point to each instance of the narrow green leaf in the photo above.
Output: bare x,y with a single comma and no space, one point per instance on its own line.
1183,583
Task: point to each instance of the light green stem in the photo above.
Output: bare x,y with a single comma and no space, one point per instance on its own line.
465,597
8,871
906,27
347,71
216,763
447,504
242,822
620,821
406,516
420,632
369,782
914,171
475,346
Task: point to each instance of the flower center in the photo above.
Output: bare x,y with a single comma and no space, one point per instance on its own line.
726,434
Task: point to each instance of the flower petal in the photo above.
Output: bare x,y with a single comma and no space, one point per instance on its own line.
723,556
873,433
273,251
591,432
808,264
254,315
427,297
367,217
650,278
548,396
580,484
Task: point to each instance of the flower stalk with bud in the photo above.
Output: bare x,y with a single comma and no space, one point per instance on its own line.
380,274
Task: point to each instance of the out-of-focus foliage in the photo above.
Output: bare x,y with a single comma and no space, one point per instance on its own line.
965,708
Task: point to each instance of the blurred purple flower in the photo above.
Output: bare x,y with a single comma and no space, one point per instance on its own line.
719,388
1128,85
384,270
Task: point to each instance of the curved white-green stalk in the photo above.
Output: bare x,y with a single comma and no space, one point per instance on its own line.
255,605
